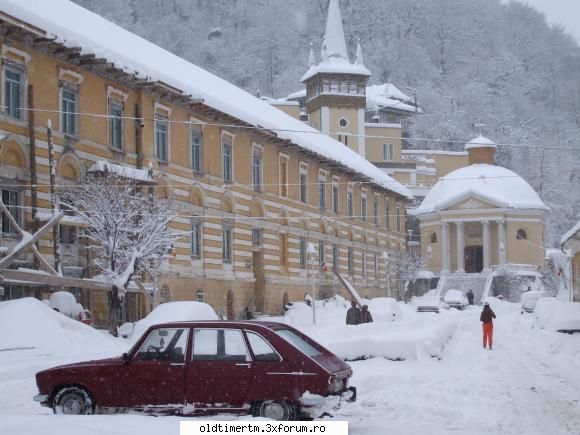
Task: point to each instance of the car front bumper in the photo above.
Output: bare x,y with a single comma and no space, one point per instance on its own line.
41,398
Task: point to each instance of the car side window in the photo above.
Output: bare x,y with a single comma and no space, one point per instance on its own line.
164,344
262,350
219,345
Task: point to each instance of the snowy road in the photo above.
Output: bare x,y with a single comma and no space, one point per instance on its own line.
529,384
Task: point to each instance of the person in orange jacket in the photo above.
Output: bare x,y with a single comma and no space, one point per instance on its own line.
487,316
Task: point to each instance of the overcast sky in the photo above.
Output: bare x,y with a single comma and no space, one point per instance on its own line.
565,12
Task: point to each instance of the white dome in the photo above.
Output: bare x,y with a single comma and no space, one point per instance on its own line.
494,184
480,142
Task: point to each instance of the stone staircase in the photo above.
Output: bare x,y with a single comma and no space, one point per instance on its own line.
465,281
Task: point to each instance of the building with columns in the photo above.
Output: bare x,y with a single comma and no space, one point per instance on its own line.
478,218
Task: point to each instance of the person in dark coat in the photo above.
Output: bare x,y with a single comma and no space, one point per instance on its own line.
353,314
487,316
365,315
470,297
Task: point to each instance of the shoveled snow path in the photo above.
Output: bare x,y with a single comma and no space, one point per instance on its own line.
524,386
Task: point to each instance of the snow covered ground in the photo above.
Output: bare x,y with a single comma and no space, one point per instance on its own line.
529,383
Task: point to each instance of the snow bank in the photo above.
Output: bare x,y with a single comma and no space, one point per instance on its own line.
555,315
410,336
65,303
29,322
173,312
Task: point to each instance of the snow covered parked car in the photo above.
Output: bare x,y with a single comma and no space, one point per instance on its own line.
430,302
384,309
530,299
264,368
456,299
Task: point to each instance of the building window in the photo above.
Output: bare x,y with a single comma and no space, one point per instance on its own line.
388,152
227,244
283,175
398,217
364,262
196,239
335,257
322,191
350,260
343,122
335,196
283,249
11,200
161,133
257,238
349,203
376,210
303,252
67,234
69,118
321,253
303,183
387,214
521,235
116,124
196,151
227,158
433,237
199,295
257,169
13,92
363,207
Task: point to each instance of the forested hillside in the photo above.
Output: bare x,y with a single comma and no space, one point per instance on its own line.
470,61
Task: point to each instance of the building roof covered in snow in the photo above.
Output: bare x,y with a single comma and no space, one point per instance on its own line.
389,96
74,26
480,142
575,229
334,54
495,185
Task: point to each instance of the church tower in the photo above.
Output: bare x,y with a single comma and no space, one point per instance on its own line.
336,88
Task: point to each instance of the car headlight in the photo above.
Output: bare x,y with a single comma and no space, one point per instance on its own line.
337,386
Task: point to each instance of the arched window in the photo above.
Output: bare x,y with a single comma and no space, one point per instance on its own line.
164,294
199,295
522,235
433,237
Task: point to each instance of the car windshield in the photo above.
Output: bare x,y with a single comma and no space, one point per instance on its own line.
298,342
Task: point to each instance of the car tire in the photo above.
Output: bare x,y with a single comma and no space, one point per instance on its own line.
275,410
73,401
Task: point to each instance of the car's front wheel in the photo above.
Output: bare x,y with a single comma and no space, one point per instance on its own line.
73,401
275,410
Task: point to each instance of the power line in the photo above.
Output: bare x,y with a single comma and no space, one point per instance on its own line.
282,130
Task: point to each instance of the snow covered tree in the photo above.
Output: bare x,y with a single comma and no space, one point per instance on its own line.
405,265
128,230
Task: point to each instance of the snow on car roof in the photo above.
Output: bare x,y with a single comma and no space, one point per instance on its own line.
75,26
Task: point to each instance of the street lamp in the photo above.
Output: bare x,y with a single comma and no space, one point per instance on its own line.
311,252
388,269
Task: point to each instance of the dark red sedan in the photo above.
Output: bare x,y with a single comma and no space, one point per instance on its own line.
263,368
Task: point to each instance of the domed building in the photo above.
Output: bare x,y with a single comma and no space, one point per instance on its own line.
480,217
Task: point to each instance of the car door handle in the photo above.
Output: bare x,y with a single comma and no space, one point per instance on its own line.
177,364
248,365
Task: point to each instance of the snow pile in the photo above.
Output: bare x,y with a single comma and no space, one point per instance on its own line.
65,303
29,322
411,336
490,183
172,312
555,315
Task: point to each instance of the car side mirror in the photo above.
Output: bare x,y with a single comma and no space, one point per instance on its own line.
126,358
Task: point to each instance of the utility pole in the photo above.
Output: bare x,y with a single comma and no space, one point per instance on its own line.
53,199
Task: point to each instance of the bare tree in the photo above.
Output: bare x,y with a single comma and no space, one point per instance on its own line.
128,231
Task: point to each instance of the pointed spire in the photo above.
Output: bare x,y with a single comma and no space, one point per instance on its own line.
334,43
359,54
312,57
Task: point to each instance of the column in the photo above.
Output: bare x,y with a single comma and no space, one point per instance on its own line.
501,241
486,246
460,248
445,257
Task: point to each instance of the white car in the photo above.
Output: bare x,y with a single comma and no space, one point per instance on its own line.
530,299
384,309
430,302
456,299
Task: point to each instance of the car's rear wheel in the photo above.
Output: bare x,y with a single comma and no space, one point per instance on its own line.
73,401
275,410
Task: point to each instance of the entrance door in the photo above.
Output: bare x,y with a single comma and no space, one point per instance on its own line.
473,259
220,372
